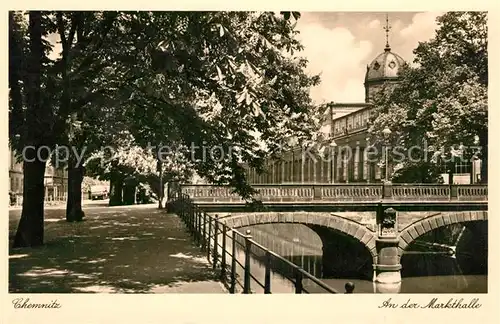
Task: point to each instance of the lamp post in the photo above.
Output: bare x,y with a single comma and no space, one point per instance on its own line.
333,146
387,132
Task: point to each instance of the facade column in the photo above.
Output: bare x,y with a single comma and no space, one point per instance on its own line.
345,163
338,174
275,174
282,165
327,170
356,162
328,165
333,168
315,171
305,169
302,162
366,167
292,168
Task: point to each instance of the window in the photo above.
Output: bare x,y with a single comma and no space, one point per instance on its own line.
357,120
365,117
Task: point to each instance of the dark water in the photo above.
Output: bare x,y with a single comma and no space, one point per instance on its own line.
426,269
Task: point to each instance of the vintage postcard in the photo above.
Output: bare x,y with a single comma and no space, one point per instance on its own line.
158,156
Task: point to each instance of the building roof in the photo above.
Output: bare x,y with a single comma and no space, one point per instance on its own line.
385,66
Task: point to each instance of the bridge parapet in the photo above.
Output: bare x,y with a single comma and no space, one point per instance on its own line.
342,193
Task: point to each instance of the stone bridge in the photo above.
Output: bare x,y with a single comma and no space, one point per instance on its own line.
371,226
361,226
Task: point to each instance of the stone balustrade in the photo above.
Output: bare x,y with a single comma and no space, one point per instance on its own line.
421,192
465,192
342,193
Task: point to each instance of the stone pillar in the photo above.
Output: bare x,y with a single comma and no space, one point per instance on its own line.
387,270
356,162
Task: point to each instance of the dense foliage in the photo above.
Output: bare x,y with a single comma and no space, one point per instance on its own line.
440,107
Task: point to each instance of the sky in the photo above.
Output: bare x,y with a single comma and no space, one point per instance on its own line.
340,45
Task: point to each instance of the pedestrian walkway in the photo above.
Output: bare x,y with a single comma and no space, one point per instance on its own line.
130,249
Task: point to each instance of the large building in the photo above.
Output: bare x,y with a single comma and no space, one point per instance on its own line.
56,182
347,125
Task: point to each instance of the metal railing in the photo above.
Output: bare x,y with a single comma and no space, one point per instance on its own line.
234,255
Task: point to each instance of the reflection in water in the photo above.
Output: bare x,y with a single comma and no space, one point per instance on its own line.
442,261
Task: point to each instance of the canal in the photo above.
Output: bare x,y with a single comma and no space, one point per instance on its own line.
428,266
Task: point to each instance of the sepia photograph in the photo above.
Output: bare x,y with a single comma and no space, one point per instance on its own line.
248,152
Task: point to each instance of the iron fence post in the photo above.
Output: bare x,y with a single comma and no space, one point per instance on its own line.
248,246
223,257
232,287
198,231
204,239
298,281
216,241
209,236
195,224
267,275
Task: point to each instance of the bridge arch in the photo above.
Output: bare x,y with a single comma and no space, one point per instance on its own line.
413,231
358,231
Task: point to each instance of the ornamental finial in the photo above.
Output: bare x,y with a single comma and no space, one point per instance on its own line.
387,28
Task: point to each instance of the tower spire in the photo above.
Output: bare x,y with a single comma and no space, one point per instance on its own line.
387,27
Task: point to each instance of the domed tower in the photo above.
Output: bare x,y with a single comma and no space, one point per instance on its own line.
383,70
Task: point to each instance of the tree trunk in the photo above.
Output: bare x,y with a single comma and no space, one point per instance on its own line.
74,211
31,227
116,190
129,190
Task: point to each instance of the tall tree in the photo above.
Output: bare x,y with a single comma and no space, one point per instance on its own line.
440,107
226,82
38,115
83,36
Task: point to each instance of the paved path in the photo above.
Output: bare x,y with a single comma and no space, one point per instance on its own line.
135,249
